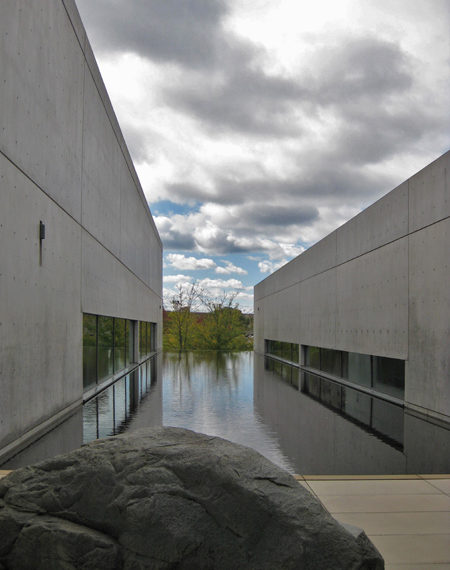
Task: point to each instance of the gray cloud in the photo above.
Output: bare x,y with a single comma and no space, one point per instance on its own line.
174,239
272,215
280,203
362,67
243,100
246,99
358,78
162,30
182,192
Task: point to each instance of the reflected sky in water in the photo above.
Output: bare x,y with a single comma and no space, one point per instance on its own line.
212,392
301,422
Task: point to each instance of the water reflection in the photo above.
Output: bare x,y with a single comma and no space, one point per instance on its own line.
113,410
212,392
303,423
377,416
327,428
381,418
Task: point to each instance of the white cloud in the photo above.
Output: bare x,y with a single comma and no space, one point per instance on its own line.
208,283
177,278
180,261
268,266
230,268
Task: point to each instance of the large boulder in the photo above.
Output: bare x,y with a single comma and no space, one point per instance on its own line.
169,498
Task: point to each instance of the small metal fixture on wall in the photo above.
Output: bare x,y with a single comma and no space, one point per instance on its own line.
41,238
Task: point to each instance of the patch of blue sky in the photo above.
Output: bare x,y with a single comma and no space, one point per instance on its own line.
169,208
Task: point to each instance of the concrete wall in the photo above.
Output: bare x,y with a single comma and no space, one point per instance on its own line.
63,160
378,285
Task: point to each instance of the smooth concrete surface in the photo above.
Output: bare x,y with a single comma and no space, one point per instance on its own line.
428,365
41,97
384,222
371,304
41,330
63,161
407,519
377,285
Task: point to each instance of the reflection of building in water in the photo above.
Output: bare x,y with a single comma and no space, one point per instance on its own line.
133,401
370,303
112,411
381,418
325,427
81,259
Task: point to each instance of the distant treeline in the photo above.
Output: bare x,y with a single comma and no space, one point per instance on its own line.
222,327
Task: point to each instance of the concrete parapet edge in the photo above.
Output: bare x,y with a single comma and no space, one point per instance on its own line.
36,432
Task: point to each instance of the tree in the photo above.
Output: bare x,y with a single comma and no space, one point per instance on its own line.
178,322
224,327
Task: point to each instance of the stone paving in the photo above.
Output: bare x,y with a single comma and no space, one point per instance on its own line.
407,517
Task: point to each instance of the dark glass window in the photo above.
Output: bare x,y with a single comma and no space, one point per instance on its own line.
89,350
119,344
142,338
357,368
105,347
383,374
130,341
312,357
286,350
108,346
389,376
330,361
149,338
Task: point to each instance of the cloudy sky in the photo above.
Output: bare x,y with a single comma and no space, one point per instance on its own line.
257,127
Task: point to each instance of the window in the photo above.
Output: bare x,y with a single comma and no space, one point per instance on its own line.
89,350
108,346
330,361
357,368
130,342
286,350
105,347
312,357
120,348
385,375
388,376
147,334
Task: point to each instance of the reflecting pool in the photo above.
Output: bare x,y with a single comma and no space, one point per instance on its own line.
300,421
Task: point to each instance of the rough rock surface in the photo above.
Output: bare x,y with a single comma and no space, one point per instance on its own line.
169,498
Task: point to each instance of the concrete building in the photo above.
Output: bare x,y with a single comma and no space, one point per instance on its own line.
80,256
369,305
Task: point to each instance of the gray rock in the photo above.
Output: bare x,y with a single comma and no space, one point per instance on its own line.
169,498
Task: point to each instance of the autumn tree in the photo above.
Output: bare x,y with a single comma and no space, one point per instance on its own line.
224,326
178,320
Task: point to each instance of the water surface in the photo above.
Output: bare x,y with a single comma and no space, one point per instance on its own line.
302,422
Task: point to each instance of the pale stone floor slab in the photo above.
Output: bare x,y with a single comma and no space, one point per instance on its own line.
406,517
